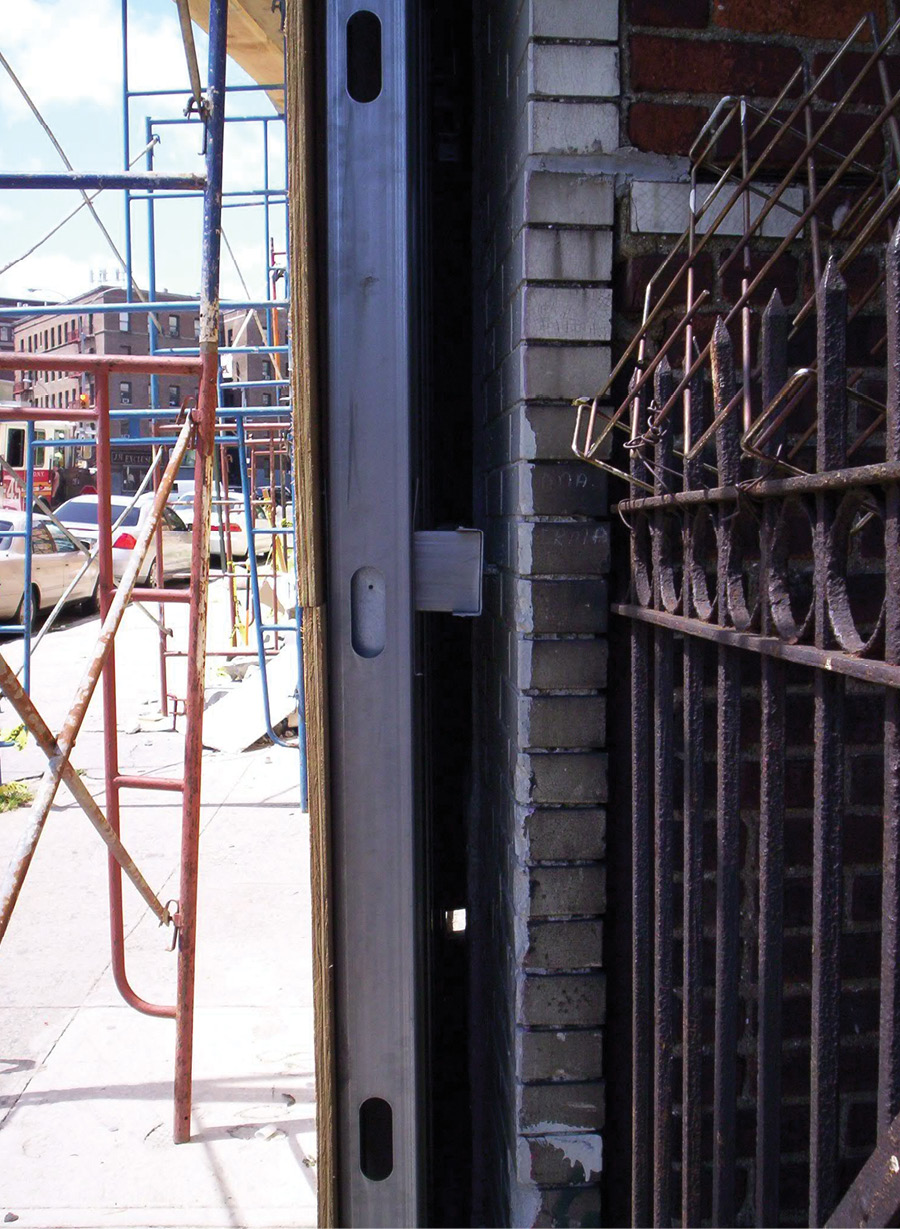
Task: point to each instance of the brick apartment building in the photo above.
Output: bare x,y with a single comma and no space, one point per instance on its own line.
87,331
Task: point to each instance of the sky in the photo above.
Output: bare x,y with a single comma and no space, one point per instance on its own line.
69,58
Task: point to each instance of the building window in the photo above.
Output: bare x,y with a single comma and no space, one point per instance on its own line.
197,328
29,345
174,326
91,322
4,332
124,322
267,398
174,394
46,343
266,369
126,349
125,392
229,337
66,331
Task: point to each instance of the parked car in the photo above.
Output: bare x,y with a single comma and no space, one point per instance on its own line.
80,516
183,503
55,562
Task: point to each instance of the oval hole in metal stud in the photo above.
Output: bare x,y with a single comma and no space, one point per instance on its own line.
364,56
368,619
376,1139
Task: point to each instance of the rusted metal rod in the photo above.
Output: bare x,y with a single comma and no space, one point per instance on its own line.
69,732
40,731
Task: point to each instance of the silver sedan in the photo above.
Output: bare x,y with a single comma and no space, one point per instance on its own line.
55,562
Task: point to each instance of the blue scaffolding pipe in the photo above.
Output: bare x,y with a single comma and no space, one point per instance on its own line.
261,629
230,89
103,181
27,595
253,383
261,349
229,119
180,196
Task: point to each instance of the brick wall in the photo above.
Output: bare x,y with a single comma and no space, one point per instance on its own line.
546,101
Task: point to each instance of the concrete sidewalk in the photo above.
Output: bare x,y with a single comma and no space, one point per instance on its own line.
86,1082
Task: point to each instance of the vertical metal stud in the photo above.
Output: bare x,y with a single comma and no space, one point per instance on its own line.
370,624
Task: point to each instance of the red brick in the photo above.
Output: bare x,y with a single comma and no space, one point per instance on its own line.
694,67
662,129
785,274
686,15
845,73
811,18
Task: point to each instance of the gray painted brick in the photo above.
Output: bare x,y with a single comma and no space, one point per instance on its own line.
542,433
563,548
567,198
565,945
565,313
575,19
573,489
563,70
572,127
560,1055
557,891
570,1158
563,778
565,1000
562,721
552,254
545,1107
563,834
557,665
557,607
562,373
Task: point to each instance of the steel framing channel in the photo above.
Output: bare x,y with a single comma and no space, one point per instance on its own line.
371,684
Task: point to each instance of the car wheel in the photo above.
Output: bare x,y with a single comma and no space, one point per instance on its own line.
91,605
35,608
153,575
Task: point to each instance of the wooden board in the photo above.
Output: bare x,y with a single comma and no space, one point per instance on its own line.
308,513
255,40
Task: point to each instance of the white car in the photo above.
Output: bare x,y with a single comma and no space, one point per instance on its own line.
79,515
55,562
183,503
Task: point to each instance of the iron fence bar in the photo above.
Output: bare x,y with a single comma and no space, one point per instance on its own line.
664,822
828,769
693,809
880,474
771,832
889,1027
641,899
728,756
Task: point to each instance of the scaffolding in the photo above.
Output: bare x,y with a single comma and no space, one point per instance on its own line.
260,439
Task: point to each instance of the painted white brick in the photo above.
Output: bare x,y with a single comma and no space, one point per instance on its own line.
561,373
575,71
664,208
565,198
565,313
567,255
573,127
575,19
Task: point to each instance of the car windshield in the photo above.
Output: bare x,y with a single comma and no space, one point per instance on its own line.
77,513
